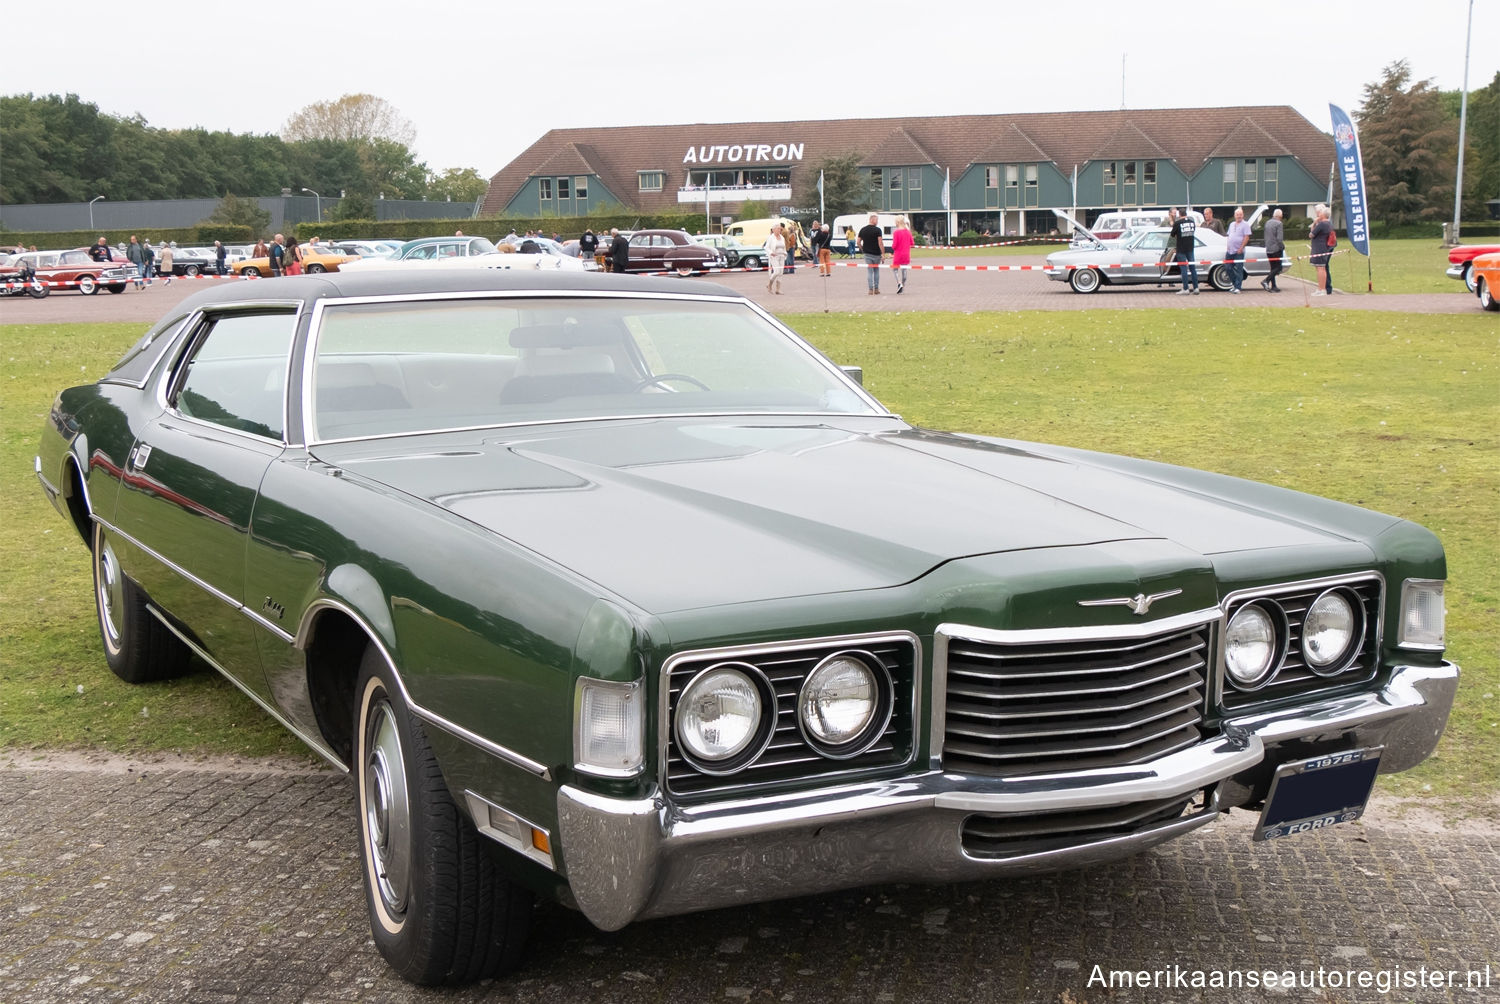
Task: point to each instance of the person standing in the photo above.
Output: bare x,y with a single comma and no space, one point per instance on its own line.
872,246
789,234
901,243
587,243
1234,249
260,250
100,251
1209,223
293,256
137,259
220,254
148,265
775,248
1318,240
164,262
277,254
822,237
1275,248
1185,235
849,242
619,251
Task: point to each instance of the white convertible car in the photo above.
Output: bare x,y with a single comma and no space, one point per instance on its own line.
1145,258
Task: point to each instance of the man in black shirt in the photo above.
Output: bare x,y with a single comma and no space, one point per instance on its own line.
1184,231
587,243
872,246
100,251
619,251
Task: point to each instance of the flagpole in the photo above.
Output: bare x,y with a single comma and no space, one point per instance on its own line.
822,212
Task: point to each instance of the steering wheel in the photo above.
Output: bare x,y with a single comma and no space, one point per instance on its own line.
661,378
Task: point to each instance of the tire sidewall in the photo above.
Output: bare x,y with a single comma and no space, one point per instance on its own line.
389,931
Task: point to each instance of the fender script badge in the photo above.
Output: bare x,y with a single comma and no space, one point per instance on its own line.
1138,604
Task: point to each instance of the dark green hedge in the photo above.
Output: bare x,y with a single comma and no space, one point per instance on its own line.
497,226
194,236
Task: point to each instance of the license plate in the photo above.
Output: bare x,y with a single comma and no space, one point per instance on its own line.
1318,792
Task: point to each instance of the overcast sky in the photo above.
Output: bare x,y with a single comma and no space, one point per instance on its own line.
481,81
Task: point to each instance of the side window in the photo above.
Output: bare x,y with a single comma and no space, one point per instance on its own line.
640,241
236,374
422,252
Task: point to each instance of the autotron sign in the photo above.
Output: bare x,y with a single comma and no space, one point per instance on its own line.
744,153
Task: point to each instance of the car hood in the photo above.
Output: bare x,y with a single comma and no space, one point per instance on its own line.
675,514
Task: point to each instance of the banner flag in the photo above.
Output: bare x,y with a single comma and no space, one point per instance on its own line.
820,182
946,175
1351,173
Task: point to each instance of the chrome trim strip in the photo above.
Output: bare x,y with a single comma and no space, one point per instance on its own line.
316,745
993,636
47,486
665,726
458,731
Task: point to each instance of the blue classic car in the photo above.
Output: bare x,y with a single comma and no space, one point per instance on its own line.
617,592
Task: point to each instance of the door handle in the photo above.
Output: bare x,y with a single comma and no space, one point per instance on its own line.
139,456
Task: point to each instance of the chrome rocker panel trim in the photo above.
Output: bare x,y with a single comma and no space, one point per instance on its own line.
630,859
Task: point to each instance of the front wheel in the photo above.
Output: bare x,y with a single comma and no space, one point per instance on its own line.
1218,278
88,285
1084,280
250,270
315,268
440,911
137,646
38,289
1471,281
116,287
1486,295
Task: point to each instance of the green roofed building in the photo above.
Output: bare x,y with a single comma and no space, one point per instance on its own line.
1006,172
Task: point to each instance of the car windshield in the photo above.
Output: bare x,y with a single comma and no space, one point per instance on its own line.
400,367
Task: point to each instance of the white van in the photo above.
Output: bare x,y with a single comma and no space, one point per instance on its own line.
857,222
755,232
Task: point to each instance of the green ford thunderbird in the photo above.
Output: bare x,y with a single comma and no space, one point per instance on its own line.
616,592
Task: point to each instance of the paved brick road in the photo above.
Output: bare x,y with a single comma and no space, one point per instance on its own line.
804,292
222,881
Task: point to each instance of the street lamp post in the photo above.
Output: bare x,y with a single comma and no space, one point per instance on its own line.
317,202
91,210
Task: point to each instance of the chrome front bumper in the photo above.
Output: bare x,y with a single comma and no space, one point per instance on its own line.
627,860
1455,271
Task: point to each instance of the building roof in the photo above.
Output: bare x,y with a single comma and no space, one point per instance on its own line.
1188,136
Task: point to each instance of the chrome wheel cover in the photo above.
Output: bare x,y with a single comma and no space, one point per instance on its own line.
109,585
387,809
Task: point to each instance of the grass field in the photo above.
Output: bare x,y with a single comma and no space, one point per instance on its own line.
1398,266
1396,412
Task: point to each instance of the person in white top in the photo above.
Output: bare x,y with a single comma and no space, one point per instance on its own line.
776,255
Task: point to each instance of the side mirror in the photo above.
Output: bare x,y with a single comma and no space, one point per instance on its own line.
855,373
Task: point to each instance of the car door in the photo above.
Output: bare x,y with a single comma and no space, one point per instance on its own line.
646,251
192,479
1143,259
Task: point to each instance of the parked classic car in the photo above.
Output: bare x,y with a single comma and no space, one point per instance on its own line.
76,270
314,261
1485,270
196,261
1460,260
736,255
616,591
1145,258
671,251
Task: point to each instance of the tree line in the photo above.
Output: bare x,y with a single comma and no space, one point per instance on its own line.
63,149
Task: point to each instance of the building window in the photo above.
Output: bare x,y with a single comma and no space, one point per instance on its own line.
650,181
581,188
1268,180
877,186
1032,186
544,189
1111,175
1148,182
992,177
895,179
1012,186
1247,181
1231,179
562,189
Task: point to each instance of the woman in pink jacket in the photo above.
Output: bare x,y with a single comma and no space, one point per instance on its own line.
901,242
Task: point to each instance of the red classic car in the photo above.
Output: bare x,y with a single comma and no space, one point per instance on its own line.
1460,258
671,250
76,270
1485,271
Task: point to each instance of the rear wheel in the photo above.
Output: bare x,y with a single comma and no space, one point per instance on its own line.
137,646
1218,278
38,289
250,270
750,261
1084,280
1486,295
440,911
116,287
315,268
88,285
190,270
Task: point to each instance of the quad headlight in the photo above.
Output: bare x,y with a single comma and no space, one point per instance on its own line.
1253,644
1330,632
725,716
844,704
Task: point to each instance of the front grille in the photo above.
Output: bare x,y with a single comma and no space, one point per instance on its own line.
789,757
1002,837
1041,707
1293,678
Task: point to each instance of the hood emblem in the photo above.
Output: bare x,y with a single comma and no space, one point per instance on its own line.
1138,604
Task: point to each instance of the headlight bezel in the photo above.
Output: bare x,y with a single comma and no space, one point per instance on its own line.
760,736
1276,620
1350,651
875,724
